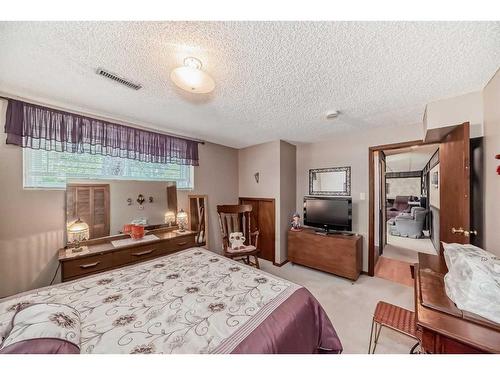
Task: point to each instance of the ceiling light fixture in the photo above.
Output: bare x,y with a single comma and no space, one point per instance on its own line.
191,78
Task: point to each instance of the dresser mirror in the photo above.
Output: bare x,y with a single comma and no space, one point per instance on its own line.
105,206
330,181
198,218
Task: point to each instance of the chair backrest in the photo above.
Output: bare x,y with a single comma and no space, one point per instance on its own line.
234,218
418,213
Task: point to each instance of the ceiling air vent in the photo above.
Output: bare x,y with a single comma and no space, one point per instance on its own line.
118,79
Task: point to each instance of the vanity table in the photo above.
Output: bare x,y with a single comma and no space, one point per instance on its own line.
99,255
443,328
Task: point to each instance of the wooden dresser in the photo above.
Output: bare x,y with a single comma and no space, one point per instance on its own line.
441,326
334,253
100,255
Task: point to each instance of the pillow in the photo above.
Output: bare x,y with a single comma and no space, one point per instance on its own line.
473,280
44,328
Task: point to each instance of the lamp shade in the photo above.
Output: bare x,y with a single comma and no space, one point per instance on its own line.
78,231
182,216
191,78
169,217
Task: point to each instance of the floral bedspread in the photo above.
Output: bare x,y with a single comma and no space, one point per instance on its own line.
194,301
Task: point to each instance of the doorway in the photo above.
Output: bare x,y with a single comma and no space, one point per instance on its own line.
409,202
450,179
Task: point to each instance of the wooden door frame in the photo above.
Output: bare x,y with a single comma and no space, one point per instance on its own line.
371,194
273,201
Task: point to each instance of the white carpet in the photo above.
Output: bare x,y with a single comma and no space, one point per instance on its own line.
350,306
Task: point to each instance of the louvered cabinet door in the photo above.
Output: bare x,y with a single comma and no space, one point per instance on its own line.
83,205
89,203
100,211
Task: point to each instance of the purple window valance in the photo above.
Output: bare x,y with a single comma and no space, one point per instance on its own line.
33,126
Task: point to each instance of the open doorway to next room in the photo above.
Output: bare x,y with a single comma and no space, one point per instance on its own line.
408,207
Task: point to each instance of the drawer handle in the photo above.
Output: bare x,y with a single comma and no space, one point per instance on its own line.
143,253
89,265
182,243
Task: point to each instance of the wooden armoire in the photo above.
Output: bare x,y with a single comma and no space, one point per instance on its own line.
263,219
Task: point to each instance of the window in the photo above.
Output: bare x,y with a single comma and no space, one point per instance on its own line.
50,169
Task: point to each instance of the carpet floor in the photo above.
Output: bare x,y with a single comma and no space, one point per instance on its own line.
350,305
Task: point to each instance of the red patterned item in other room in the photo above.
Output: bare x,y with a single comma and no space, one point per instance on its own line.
137,232
497,156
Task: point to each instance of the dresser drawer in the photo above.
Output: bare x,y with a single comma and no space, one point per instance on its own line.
83,266
176,244
137,254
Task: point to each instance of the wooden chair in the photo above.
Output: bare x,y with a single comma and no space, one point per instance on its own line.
236,218
393,317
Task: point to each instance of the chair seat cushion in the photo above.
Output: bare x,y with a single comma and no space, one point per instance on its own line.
242,249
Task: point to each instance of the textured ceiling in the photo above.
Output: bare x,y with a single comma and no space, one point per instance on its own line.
274,80
409,159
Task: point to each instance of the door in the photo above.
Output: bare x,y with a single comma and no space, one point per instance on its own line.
263,220
382,203
454,189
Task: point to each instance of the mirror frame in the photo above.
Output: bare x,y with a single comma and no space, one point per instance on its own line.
343,193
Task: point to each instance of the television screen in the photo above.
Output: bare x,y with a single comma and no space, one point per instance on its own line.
331,213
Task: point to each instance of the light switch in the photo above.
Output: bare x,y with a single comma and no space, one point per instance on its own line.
362,196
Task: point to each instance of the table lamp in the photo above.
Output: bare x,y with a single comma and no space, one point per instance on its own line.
78,232
169,217
182,220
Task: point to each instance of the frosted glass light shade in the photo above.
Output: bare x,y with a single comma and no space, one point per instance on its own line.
169,217
191,78
78,231
182,220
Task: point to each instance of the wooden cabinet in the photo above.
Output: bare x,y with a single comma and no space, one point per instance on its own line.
443,328
263,219
337,254
100,255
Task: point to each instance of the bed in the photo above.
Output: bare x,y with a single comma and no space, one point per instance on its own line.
194,301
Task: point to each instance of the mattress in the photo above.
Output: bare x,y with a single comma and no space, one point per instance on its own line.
193,301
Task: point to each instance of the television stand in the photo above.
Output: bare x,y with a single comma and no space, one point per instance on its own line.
337,253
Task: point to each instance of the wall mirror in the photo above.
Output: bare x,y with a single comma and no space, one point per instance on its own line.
198,218
330,181
107,205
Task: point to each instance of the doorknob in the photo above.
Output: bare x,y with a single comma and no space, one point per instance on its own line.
466,233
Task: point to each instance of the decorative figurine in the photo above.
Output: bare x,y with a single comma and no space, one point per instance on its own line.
296,222
237,240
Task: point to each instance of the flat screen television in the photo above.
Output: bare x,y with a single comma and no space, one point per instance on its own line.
328,213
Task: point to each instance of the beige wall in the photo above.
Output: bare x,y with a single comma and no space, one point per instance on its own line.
491,97
288,193
264,159
350,150
217,177
276,163
32,221
456,110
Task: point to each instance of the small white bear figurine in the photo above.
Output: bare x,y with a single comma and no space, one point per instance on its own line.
237,240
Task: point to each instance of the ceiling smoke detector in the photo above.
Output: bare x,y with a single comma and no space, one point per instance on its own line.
332,115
